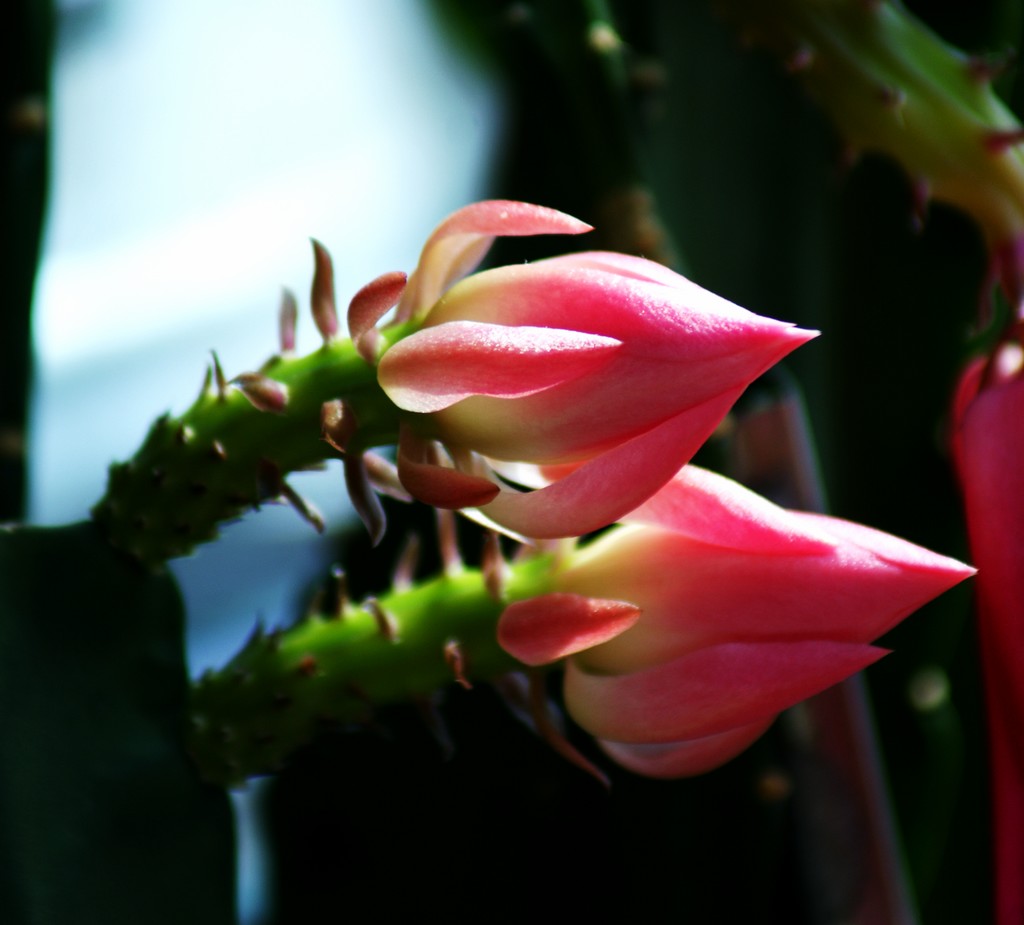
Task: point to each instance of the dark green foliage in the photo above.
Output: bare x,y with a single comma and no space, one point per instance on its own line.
104,818
25,41
381,826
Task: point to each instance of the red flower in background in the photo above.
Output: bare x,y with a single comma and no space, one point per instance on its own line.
988,447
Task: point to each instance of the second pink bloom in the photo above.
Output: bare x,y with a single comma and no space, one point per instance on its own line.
603,372
687,630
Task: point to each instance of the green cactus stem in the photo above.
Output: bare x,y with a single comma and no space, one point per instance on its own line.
336,664
230,451
893,86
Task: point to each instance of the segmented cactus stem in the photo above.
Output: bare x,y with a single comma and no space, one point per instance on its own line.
343,659
893,86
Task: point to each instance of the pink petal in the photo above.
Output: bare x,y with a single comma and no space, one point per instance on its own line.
709,691
526,474
438,485
713,509
369,305
674,356
460,242
989,449
967,389
937,573
622,265
614,483
695,594
687,758
434,368
549,627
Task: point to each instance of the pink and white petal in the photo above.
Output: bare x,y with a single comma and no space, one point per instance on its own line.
682,325
435,484
372,302
695,593
710,690
548,627
526,474
621,265
938,572
967,389
608,487
439,366
686,758
460,242
713,509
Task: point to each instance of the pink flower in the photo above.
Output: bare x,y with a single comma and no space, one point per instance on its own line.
690,628
603,372
988,446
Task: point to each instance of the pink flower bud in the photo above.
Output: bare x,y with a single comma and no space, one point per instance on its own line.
988,446
606,371
742,609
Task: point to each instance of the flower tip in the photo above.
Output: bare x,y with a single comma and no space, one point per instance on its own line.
802,335
785,338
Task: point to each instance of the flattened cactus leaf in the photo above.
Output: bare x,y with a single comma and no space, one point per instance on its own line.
104,819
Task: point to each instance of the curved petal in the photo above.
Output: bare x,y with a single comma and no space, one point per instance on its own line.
621,265
611,485
368,306
709,691
695,594
434,484
673,357
526,474
460,242
546,628
716,510
436,367
967,388
936,573
684,759
682,323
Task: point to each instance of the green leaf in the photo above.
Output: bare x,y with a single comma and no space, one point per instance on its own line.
104,817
